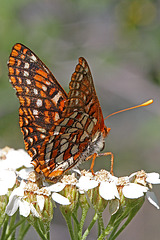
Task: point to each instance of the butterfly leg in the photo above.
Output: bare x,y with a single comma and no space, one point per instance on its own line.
93,156
112,159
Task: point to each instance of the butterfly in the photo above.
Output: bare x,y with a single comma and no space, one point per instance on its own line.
60,130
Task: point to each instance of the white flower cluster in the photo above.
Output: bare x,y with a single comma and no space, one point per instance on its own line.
110,187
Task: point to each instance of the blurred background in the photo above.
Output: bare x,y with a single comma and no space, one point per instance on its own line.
121,41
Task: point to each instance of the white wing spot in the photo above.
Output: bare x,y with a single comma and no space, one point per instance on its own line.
28,81
26,74
56,116
44,88
33,57
56,97
39,103
35,91
26,65
35,112
48,83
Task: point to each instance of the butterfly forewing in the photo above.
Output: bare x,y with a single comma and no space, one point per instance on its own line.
59,131
82,95
41,96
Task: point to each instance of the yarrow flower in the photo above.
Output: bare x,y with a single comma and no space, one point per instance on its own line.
26,190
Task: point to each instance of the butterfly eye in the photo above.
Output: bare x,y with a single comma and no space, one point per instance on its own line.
106,131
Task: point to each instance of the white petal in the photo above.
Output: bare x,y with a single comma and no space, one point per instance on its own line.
152,199
3,189
24,208
40,201
133,190
60,199
34,211
8,177
108,190
12,206
85,183
23,173
18,158
153,178
57,187
114,179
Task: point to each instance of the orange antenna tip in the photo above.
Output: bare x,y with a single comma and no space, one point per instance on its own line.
147,103
130,108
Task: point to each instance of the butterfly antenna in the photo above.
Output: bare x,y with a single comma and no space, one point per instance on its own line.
130,108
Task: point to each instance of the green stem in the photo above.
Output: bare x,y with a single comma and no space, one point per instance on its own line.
100,224
90,227
132,213
12,229
5,224
83,218
69,224
36,225
75,224
23,230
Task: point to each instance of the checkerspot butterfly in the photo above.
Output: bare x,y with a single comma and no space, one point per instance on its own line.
60,130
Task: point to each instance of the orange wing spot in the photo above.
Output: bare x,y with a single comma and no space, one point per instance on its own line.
34,162
20,80
70,122
54,153
25,112
22,56
76,156
13,79
67,154
18,62
28,101
52,91
30,129
73,76
55,173
11,71
25,50
56,144
48,104
18,47
37,168
38,84
21,99
30,112
42,73
45,171
17,71
14,53
12,61
36,138
30,153
20,123
20,111
27,90
61,107
82,146
19,89
43,94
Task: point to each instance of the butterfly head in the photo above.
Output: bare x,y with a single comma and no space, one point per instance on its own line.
105,131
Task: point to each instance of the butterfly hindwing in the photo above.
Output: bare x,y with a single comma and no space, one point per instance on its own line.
41,96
